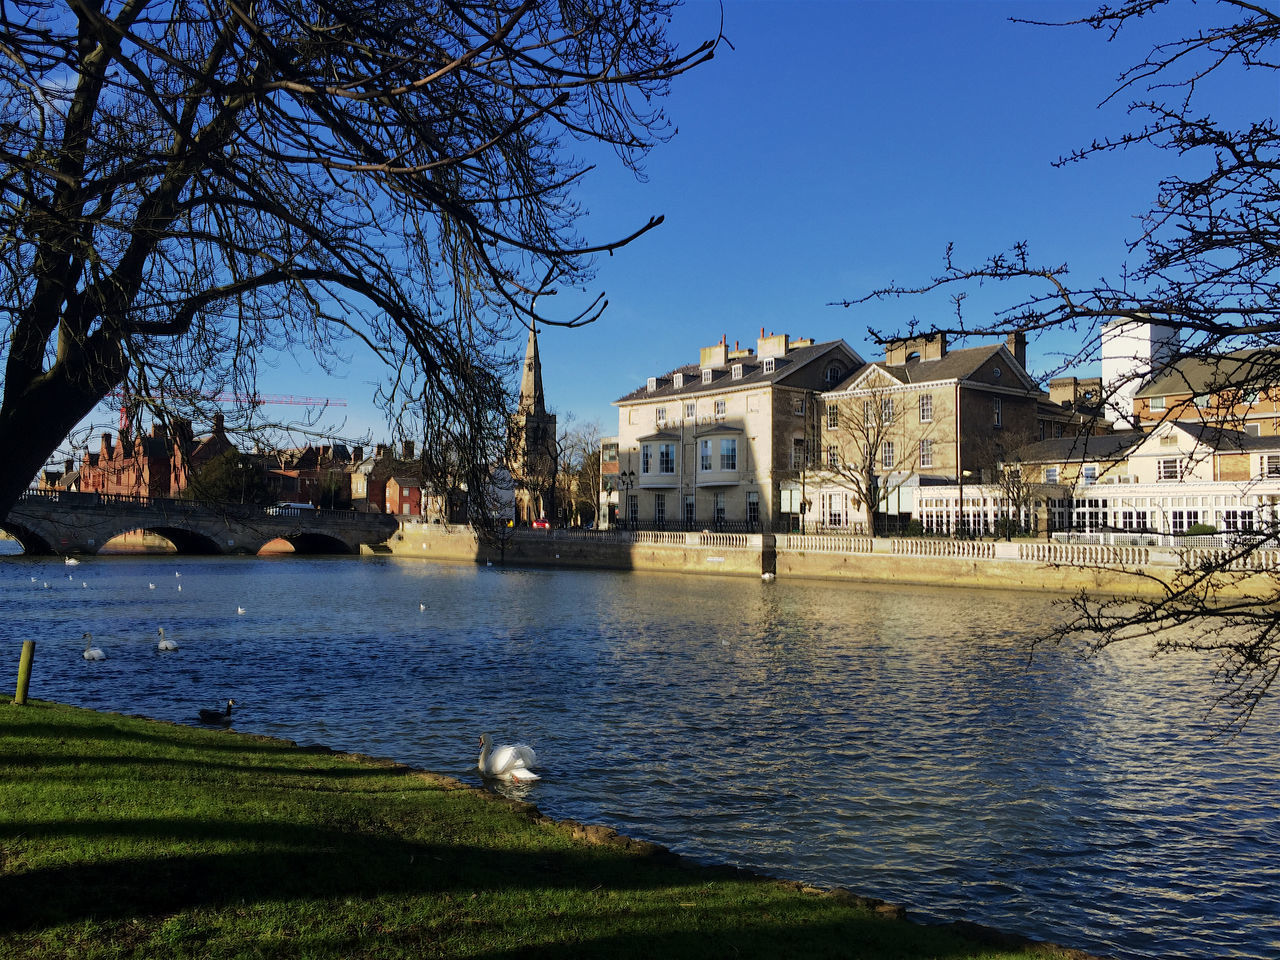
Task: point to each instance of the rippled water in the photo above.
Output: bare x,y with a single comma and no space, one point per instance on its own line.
897,742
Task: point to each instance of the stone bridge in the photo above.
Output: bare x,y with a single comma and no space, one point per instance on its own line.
46,522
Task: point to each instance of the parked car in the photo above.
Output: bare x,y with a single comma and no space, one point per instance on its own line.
541,524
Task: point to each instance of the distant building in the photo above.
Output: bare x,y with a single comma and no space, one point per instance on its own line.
533,458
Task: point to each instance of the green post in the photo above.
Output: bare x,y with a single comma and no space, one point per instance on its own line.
24,671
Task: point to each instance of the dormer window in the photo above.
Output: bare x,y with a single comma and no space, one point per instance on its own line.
768,364
678,381
706,375
653,384
736,371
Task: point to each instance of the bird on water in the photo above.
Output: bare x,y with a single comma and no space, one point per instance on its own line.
90,651
218,718
507,762
165,644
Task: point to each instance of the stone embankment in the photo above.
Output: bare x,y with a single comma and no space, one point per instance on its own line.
1016,565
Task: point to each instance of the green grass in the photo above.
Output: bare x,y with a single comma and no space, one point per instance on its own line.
122,837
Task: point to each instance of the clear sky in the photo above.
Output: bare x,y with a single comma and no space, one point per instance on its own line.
838,146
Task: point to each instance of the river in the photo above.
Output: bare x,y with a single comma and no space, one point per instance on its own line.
898,742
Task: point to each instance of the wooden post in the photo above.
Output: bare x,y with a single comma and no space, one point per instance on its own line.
24,671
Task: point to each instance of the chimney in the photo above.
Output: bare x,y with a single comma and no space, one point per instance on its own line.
1017,344
773,345
67,467
380,451
408,449
106,452
715,356
357,454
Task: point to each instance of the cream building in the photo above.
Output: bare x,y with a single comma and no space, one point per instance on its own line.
725,442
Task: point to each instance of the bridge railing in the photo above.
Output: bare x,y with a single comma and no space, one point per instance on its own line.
74,499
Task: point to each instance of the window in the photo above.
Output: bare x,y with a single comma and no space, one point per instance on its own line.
1050,474
653,384
834,373
1157,403
797,406
729,453
886,410
666,458
706,375
1271,465
868,412
677,381
926,453
633,507
1168,469
719,409
736,371
646,455
689,515
1253,429
691,410
768,365
886,455
753,507
659,508
1089,475
833,416
1237,519
660,415
718,506
609,453
704,455
926,408
797,454
996,418
833,457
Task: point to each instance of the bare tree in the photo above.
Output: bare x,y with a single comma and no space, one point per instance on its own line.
189,189
1205,263
1000,458
579,470
870,445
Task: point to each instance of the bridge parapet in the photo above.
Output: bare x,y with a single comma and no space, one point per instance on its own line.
68,522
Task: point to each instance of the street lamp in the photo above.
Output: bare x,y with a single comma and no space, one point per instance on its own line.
626,480
960,524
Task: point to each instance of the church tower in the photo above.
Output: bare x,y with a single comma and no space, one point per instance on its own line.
533,444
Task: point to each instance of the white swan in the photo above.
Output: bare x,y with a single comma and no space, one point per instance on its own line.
508,762
90,651
71,562
165,644
240,611
151,586
768,577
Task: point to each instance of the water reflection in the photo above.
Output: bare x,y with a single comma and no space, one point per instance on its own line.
898,743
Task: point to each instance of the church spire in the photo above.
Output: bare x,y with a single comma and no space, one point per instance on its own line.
532,400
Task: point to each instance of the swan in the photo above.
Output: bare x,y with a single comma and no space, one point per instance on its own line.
219,718
71,561
768,577
151,586
165,644
508,762
240,611
90,651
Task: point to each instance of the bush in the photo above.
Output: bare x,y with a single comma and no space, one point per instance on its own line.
1201,530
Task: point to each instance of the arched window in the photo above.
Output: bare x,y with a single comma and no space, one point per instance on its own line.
834,373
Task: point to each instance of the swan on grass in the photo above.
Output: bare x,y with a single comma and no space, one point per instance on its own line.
218,718
90,651
507,762
165,644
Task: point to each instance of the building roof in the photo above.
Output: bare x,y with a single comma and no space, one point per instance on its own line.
1106,446
955,364
1201,376
753,373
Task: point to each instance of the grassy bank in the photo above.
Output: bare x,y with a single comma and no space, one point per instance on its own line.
122,837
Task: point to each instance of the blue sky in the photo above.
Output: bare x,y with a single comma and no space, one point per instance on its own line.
840,145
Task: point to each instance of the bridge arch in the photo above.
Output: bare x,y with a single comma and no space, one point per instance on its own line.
33,543
313,542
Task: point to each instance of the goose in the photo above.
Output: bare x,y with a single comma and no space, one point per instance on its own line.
165,644
508,762
219,718
90,651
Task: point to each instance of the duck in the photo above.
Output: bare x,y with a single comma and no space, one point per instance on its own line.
90,651
165,644
220,718
508,762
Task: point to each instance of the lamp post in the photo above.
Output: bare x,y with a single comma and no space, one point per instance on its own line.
960,524
626,480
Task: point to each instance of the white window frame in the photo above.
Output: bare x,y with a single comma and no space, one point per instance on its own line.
1168,469
677,380
886,454
833,416
706,374
691,410
926,408
926,453
768,364
1089,475
646,457
720,409
1156,403
1050,474
659,508
736,371
833,456
652,384
729,453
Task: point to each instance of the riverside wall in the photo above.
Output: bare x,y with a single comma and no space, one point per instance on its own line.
1018,565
